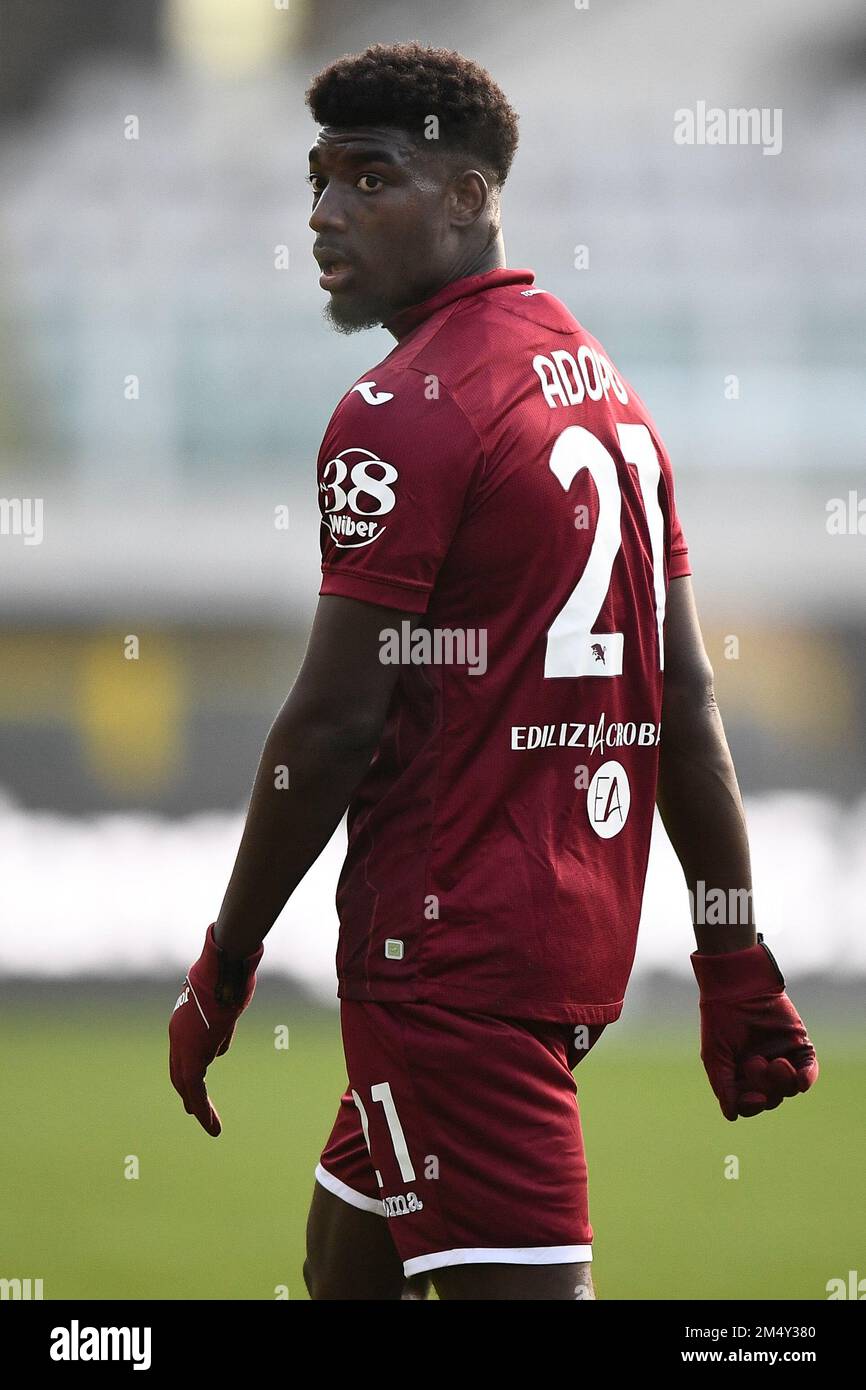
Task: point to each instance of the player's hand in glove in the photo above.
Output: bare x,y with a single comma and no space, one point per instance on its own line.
754,1046
215,993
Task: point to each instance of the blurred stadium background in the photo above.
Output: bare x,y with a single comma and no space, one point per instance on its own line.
165,377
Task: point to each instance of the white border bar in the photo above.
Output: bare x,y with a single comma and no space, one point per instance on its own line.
529,1255
348,1194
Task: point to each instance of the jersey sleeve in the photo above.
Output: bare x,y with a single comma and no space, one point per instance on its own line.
678,555
679,558
394,477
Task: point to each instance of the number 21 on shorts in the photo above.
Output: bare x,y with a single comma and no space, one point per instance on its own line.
382,1093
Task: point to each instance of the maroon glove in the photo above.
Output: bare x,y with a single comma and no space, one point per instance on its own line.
754,1046
215,994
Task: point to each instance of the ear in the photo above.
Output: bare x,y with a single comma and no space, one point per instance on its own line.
469,196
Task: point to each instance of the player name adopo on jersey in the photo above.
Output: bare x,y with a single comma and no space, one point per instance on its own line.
569,380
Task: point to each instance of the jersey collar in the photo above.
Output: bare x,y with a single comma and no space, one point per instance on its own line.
406,319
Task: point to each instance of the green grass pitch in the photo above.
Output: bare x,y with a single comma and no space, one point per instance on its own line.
85,1087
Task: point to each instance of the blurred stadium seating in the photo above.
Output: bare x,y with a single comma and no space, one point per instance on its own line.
154,258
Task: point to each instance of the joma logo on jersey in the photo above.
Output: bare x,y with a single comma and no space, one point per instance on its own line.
402,1206
367,391
349,512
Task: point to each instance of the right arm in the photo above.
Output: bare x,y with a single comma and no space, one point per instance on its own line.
754,1046
697,794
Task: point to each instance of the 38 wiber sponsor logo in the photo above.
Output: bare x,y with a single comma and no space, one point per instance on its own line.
355,494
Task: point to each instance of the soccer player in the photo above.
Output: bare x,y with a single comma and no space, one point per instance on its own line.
504,676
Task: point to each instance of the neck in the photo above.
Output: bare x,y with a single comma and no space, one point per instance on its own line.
491,257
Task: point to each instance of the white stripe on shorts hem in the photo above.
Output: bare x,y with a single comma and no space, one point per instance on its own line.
529,1255
348,1194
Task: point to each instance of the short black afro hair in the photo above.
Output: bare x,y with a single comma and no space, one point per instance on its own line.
402,84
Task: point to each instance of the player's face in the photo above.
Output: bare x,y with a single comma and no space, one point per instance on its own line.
380,214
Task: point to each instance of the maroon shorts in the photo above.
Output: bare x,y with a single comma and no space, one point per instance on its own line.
463,1130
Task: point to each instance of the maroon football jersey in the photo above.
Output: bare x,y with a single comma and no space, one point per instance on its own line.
496,475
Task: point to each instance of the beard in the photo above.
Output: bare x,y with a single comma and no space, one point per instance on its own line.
353,313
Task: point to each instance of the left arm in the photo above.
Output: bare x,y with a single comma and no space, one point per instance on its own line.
324,737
